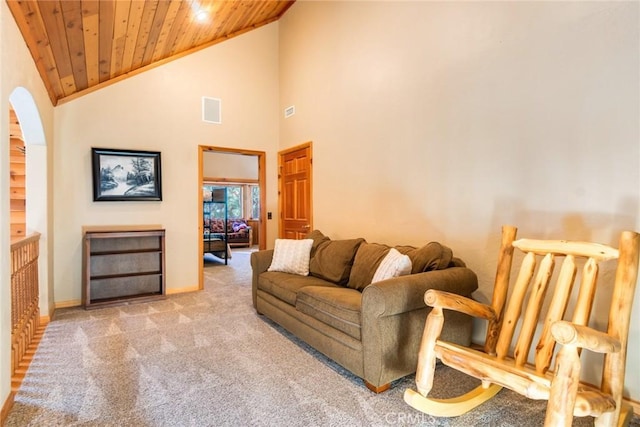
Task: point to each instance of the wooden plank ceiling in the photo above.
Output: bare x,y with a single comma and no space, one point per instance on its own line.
82,45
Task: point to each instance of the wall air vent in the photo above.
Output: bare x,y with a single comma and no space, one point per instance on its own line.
289,111
211,110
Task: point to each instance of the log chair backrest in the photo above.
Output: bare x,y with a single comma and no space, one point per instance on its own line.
534,282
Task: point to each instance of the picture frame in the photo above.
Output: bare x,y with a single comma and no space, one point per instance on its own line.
126,175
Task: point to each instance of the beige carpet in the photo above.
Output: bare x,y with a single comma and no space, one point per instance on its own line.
207,359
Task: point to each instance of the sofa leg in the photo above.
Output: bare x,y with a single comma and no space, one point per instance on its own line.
377,389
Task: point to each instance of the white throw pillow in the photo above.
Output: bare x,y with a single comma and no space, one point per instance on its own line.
291,256
394,264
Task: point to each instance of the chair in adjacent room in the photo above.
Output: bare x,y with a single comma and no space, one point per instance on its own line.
514,315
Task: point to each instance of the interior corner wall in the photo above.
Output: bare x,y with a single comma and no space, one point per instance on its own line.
160,110
17,69
459,117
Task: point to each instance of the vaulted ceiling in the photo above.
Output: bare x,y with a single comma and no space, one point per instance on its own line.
82,45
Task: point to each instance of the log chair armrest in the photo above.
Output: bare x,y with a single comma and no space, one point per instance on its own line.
260,262
405,293
459,303
567,333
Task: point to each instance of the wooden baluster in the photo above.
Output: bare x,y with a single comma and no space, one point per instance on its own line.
25,312
515,305
426,356
557,308
564,387
501,287
587,292
619,319
532,313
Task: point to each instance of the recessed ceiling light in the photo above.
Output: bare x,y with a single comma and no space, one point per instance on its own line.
202,15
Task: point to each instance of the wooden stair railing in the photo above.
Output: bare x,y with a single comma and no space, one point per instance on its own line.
25,312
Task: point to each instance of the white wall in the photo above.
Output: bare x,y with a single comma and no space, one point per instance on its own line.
160,110
225,165
17,69
445,120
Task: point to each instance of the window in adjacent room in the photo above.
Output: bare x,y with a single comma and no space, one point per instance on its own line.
234,201
255,201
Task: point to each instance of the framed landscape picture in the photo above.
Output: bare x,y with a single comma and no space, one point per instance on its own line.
129,175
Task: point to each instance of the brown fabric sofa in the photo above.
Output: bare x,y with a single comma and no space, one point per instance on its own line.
373,330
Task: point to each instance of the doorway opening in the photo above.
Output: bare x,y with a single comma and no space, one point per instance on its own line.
30,294
35,190
231,194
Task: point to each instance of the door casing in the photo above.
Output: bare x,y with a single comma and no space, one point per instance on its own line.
262,235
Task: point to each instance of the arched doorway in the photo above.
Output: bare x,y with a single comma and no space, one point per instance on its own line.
36,185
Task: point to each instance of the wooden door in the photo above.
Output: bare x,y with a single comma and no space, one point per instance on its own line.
294,181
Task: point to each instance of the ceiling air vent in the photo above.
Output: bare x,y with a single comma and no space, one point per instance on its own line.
289,111
211,110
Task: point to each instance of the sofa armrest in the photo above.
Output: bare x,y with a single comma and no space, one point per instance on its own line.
406,293
393,319
260,262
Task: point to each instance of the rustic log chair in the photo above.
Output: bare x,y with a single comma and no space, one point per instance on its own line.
502,365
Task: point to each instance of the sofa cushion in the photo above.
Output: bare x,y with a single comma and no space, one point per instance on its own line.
335,306
318,238
291,256
217,225
333,259
285,286
236,237
432,256
365,264
394,264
